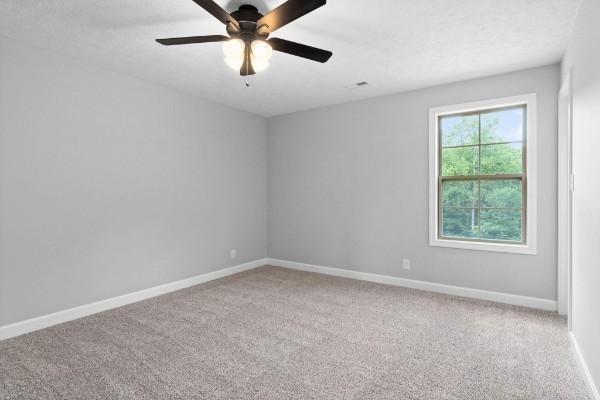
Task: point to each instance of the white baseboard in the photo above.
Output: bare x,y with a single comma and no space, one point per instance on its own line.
532,302
30,325
34,324
587,376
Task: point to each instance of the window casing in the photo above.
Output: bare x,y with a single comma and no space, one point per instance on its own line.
483,185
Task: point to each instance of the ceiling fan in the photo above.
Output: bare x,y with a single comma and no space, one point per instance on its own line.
248,46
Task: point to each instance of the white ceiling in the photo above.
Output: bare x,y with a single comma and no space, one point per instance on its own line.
395,45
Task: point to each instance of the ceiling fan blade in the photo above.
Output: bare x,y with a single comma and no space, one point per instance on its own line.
247,68
192,39
218,12
286,13
300,50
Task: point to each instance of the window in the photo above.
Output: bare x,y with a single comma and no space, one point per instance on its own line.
483,175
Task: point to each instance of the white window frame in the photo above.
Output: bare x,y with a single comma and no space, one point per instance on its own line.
530,247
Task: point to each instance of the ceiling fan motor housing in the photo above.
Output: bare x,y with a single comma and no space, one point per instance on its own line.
247,16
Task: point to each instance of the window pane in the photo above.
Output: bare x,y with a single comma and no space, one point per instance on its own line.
502,126
460,130
500,225
502,159
458,222
503,193
460,193
460,161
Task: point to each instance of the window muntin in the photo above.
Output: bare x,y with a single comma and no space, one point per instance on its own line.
482,185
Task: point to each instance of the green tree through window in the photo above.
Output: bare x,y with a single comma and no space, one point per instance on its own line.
482,175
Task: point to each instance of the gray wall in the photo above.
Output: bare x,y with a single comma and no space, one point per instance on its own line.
583,58
348,188
109,184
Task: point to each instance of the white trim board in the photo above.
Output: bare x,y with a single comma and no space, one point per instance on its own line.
506,298
45,321
565,198
587,376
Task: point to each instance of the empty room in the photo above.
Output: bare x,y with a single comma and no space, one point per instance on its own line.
299,199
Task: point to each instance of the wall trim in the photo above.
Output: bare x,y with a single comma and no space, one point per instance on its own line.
587,375
506,298
565,181
45,321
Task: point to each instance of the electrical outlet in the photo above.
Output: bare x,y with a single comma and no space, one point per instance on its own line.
233,254
406,263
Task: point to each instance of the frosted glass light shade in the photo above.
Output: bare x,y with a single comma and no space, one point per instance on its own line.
261,54
234,53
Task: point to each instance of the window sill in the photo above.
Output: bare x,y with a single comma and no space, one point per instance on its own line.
496,247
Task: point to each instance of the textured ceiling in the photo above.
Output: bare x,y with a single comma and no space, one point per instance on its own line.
395,45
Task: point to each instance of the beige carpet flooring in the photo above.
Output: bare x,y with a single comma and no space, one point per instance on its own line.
273,333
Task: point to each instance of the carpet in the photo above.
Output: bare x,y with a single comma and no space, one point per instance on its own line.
274,333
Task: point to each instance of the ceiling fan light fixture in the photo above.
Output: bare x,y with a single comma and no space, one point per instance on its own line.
261,53
234,53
